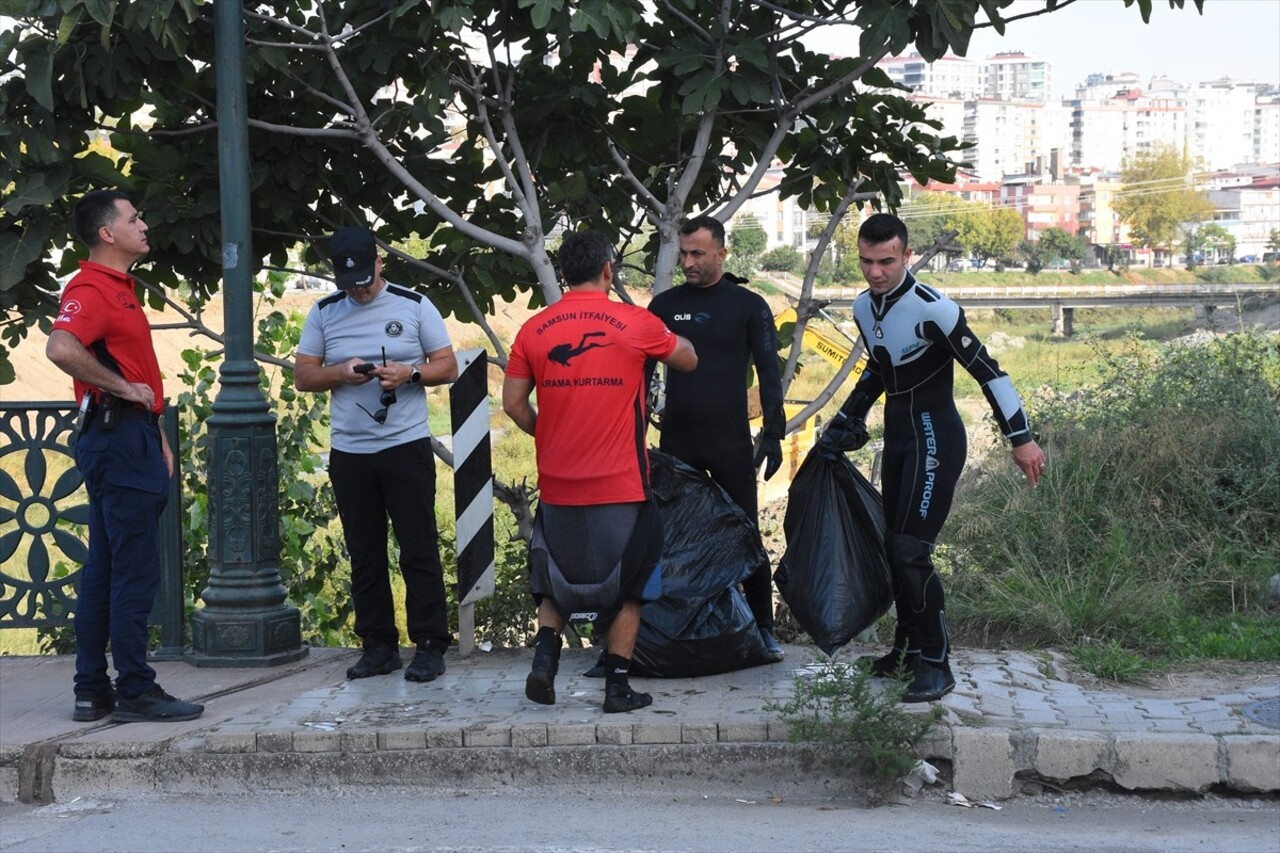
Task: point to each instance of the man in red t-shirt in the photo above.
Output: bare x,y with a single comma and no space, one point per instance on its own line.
598,538
102,339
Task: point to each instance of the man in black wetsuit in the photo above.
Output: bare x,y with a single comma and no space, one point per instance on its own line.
704,421
914,336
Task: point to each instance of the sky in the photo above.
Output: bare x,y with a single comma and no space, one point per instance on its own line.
1233,38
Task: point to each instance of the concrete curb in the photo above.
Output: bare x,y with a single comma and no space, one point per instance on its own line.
985,763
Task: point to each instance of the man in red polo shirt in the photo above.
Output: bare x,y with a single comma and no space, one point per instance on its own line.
102,339
598,538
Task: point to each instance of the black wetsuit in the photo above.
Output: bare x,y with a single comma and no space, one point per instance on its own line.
704,421
914,336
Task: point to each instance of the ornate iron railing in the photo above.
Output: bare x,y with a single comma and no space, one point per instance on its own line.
44,515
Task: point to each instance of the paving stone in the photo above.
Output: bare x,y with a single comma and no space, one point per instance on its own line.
983,767
999,706
486,736
359,741
613,735
1163,762
231,742
1067,755
1163,709
397,739
655,733
529,735
699,733
317,742
1253,762
743,732
579,734
1039,717
275,741
444,738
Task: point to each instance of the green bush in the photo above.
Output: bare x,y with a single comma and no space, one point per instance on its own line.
782,259
1159,512
863,722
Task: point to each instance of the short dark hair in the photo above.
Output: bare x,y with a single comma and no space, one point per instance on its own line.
715,226
883,227
95,209
583,255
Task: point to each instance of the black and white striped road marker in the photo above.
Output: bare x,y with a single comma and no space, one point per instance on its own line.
472,489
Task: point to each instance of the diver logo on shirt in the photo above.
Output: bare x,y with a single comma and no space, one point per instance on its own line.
394,329
966,341
564,353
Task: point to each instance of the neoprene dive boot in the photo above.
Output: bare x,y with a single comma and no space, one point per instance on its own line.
618,695
914,570
895,663
540,686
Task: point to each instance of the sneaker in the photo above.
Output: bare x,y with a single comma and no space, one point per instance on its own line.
376,660
427,664
892,664
540,686
932,681
155,707
772,648
619,698
93,706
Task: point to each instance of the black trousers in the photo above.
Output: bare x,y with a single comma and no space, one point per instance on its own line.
397,483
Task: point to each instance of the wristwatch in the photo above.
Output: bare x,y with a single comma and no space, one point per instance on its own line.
416,376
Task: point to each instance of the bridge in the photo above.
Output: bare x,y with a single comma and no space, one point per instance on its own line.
1061,300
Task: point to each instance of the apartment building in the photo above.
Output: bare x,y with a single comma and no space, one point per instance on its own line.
1107,131
1222,123
1249,213
1042,205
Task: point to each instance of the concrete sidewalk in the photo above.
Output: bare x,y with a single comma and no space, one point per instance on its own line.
305,724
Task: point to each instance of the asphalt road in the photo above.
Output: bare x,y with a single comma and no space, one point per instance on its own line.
578,819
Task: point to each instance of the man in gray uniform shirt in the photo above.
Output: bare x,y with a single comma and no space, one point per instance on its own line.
376,346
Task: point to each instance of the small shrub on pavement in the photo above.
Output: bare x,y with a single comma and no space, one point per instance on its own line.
867,728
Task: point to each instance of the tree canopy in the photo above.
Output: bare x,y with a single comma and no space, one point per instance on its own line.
1157,198
476,126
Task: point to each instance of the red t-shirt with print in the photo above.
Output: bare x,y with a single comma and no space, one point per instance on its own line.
586,355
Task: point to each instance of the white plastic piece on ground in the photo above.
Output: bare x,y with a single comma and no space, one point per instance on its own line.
922,774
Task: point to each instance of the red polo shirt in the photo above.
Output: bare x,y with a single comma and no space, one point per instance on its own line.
98,304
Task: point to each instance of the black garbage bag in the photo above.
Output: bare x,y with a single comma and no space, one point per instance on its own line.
701,625
834,575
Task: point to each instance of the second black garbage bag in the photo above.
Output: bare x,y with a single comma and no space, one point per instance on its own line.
834,575
701,625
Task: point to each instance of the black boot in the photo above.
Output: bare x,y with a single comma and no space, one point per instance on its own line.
618,695
914,571
931,683
897,663
540,686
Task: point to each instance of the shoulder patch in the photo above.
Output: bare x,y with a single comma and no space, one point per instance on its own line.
403,292
927,293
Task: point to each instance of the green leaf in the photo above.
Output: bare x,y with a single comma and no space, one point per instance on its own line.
17,251
38,76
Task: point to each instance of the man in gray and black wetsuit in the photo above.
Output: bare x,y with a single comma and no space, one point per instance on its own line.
914,336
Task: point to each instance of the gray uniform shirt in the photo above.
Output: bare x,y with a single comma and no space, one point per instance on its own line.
408,326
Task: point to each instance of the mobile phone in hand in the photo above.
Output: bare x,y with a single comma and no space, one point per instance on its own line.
364,368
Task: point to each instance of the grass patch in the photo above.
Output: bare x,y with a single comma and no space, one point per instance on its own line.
1157,526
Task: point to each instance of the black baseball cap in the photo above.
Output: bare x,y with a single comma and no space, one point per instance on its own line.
353,252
